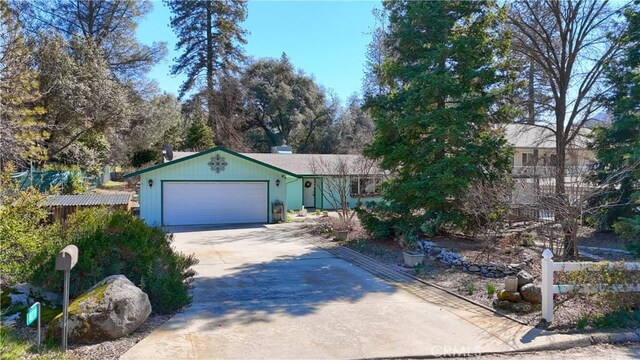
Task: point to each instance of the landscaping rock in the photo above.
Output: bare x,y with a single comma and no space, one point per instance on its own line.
509,296
502,304
524,278
474,268
112,308
521,307
531,293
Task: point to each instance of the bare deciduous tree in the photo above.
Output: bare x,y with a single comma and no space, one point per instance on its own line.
561,216
338,172
569,42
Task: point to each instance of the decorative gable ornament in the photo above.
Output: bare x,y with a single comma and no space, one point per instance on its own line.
217,163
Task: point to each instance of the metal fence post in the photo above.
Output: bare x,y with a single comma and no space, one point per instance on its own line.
547,285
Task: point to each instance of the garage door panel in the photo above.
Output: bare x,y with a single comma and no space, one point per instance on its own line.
204,203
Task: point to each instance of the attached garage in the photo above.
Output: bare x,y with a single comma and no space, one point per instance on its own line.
213,187
214,203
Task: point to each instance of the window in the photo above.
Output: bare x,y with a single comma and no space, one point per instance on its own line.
365,186
527,159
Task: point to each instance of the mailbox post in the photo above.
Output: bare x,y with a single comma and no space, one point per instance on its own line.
65,261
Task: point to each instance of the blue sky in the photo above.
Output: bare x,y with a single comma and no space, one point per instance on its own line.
327,39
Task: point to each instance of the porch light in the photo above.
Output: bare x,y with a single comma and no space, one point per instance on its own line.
278,182
150,182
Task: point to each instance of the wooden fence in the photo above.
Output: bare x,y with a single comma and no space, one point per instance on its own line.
549,267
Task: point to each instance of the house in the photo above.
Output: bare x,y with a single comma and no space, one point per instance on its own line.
535,161
61,206
220,186
535,148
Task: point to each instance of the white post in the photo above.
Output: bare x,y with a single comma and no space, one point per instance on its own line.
547,285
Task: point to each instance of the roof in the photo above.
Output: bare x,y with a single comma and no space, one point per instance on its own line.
299,164
88,199
180,156
532,136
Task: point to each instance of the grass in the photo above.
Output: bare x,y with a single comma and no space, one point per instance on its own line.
491,289
113,185
10,346
13,347
621,319
471,288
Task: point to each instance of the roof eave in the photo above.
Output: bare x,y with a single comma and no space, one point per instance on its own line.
214,149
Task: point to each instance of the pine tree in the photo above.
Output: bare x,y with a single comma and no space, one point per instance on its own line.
436,125
618,146
21,128
209,36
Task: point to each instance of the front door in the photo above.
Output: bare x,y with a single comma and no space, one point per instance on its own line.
309,193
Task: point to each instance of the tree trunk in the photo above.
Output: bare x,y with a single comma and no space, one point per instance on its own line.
532,93
210,74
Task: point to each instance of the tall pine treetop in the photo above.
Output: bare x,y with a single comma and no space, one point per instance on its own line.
436,126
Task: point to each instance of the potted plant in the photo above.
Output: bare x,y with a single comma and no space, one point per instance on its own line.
411,254
342,235
342,231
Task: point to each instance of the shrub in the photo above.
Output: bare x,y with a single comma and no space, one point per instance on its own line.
75,184
629,228
114,242
432,226
381,219
528,240
21,233
144,157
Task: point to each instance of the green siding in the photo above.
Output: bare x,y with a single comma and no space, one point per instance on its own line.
294,194
197,169
322,203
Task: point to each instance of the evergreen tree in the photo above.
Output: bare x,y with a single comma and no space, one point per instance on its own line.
209,36
618,146
110,24
199,137
436,124
21,129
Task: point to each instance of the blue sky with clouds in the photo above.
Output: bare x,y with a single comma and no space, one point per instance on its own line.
327,39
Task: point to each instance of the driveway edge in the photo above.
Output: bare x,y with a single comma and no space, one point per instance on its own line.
576,340
378,263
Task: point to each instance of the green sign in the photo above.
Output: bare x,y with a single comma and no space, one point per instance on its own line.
32,313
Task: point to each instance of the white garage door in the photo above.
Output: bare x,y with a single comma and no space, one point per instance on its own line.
210,203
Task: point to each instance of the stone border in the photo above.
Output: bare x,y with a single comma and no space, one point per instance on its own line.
452,258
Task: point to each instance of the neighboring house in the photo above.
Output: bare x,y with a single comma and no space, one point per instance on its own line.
534,161
220,186
61,206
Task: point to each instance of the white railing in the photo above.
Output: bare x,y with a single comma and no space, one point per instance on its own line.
549,267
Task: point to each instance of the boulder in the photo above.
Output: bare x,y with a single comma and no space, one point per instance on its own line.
509,296
112,308
531,293
524,278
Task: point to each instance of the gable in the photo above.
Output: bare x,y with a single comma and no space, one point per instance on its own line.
201,161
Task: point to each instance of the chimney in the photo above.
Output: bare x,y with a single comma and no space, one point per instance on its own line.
282,149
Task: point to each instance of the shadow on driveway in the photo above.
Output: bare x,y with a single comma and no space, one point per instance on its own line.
289,285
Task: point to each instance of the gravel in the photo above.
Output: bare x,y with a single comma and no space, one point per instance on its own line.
107,350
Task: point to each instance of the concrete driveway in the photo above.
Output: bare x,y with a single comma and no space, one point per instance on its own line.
265,292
